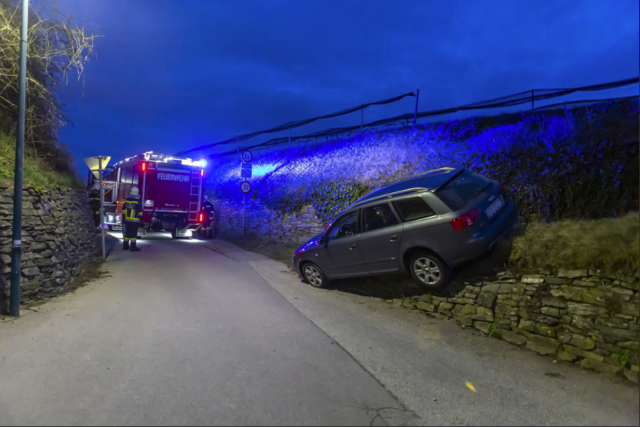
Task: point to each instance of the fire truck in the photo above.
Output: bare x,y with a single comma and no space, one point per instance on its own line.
171,192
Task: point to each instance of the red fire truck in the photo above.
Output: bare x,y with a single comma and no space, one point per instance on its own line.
171,192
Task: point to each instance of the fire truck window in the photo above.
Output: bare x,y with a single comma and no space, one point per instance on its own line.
135,176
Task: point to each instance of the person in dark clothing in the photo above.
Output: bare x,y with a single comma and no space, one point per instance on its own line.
94,202
208,219
132,218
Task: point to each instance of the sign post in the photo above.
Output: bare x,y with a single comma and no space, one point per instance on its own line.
101,162
245,187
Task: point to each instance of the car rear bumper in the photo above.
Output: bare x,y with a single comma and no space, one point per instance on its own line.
484,240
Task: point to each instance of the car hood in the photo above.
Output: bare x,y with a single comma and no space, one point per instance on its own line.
311,243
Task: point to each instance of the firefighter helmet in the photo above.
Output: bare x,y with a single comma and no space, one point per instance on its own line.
134,191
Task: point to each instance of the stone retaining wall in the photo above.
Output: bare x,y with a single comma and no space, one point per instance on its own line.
272,225
579,316
58,238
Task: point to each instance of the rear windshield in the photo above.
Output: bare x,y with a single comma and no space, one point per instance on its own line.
462,189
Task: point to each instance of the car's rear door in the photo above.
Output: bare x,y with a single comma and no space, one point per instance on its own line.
380,238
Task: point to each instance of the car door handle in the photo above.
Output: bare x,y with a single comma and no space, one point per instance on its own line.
393,238
352,247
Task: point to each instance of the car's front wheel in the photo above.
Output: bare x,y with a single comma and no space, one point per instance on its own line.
314,275
429,270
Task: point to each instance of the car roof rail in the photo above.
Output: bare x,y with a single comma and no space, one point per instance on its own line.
388,196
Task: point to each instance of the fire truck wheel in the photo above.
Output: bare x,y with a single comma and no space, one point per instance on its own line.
174,233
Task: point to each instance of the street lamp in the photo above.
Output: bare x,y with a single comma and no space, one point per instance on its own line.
16,252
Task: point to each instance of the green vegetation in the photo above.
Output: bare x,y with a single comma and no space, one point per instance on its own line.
56,47
37,173
610,245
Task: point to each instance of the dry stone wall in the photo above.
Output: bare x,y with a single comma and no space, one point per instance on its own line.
59,241
260,220
578,316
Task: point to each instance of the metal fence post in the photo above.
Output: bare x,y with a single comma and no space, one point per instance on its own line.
532,91
415,113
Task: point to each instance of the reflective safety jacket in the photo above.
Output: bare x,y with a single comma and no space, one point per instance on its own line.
94,202
132,210
208,209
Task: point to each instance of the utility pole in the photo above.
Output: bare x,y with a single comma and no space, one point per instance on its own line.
16,248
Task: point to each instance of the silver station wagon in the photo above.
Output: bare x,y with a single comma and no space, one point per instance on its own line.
424,226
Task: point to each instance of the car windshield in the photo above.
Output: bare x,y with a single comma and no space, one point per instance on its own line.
462,189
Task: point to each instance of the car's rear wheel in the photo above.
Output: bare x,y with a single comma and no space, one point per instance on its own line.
429,270
314,275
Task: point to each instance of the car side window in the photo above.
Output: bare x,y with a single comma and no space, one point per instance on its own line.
413,209
346,226
379,216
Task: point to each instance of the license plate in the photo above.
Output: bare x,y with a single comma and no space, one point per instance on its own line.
494,207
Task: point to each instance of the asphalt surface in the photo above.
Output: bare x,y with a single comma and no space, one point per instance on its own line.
180,334
204,333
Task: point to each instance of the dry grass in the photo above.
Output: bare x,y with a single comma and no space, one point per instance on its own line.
611,245
37,172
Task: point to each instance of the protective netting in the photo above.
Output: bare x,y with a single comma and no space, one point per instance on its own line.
530,96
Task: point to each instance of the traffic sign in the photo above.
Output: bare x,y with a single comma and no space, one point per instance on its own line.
246,170
247,156
245,187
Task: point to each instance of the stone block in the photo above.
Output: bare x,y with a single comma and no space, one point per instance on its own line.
554,302
631,375
572,293
542,345
463,310
527,325
512,337
502,309
30,271
632,345
572,274
585,309
551,311
582,322
545,331
493,288
600,366
554,280
584,283
614,322
482,326
483,314
629,308
462,300
617,334
425,306
533,279
446,306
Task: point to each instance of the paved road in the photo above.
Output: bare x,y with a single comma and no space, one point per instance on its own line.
195,332
181,335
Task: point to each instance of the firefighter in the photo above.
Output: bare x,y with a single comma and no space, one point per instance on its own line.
94,202
132,218
208,218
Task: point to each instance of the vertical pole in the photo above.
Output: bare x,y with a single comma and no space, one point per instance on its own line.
104,253
532,90
243,210
361,119
16,248
415,113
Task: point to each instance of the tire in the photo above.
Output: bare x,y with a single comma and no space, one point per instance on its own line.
314,275
429,270
174,233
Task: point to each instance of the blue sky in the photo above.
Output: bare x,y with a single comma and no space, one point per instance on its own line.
172,74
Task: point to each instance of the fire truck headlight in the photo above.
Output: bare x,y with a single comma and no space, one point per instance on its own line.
110,218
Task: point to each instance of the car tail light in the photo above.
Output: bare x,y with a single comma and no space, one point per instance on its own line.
466,220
